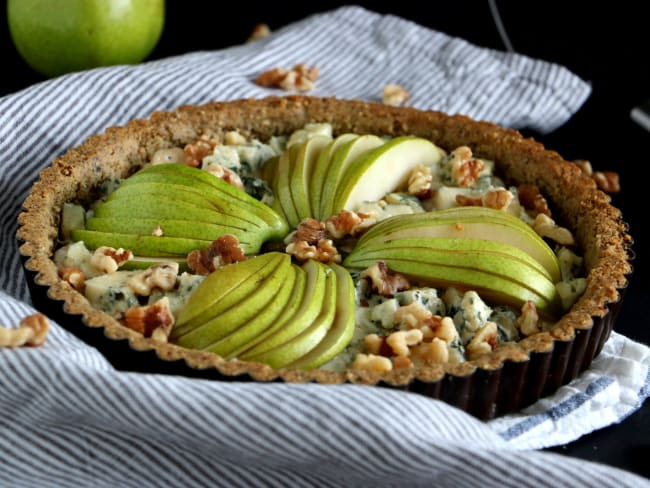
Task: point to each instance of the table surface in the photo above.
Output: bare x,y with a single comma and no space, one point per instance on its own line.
608,48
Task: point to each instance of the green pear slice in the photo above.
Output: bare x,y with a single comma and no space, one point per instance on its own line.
492,225
208,183
246,332
383,170
341,159
220,204
222,289
310,337
301,173
289,327
340,333
293,304
319,171
139,245
145,262
497,270
158,206
173,228
246,310
283,200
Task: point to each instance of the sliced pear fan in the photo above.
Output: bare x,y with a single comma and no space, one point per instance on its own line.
190,208
469,223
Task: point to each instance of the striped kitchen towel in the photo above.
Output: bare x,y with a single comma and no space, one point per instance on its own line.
69,419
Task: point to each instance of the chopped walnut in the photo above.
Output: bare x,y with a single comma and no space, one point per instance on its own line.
419,183
373,363
496,199
32,331
546,227
157,231
465,169
402,362
160,276
401,340
532,200
312,241
607,181
432,352
413,315
483,342
169,155
224,250
197,150
444,328
323,251
300,77
108,260
74,276
395,95
528,321
260,31
226,174
234,138
349,223
154,320
384,283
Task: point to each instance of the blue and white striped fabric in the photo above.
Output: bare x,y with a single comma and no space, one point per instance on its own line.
68,419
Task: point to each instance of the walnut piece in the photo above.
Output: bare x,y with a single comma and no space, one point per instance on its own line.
419,183
32,331
349,223
401,340
607,181
301,78
532,200
528,321
224,250
465,169
155,320
483,342
260,31
384,283
226,174
546,227
394,95
74,276
496,199
160,276
312,241
197,150
107,259
372,362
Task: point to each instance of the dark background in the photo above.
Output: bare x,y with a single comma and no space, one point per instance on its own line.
605,43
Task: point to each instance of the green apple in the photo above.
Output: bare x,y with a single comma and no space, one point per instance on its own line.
291,326
468,223
303,342
339,162
341,332
248,309
495,270
319,171
222,289
60,36
301,173
382,170
279,305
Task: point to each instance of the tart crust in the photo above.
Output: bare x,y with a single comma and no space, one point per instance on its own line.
510,378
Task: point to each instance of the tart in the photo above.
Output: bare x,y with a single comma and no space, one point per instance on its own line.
453,258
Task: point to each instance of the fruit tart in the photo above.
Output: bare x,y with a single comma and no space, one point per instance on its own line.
308,239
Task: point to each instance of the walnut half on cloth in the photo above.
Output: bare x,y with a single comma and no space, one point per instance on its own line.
32,331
